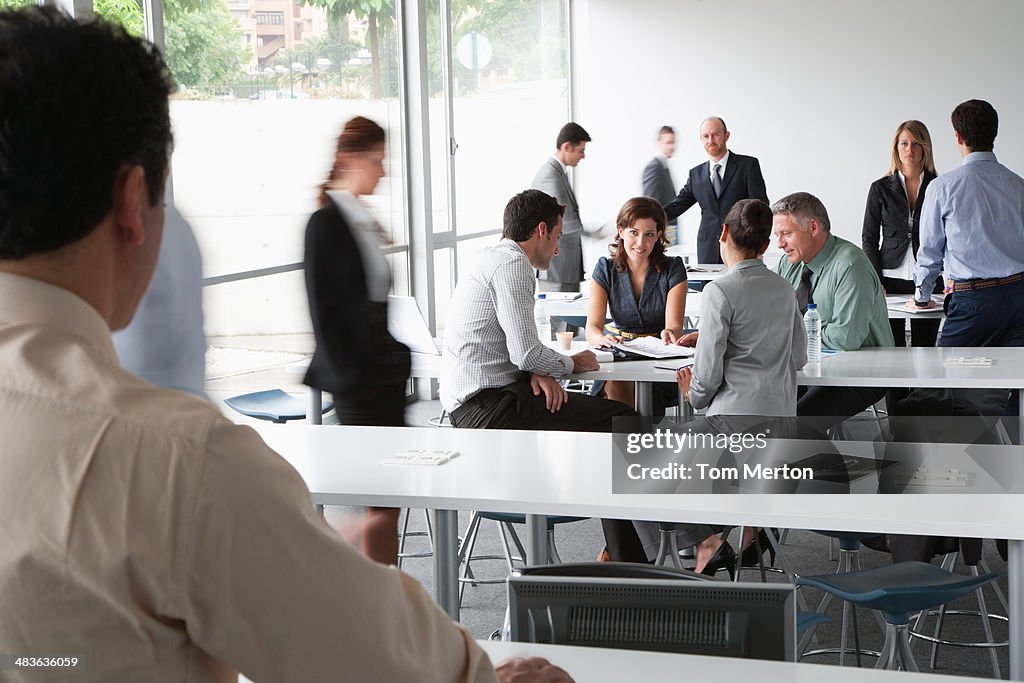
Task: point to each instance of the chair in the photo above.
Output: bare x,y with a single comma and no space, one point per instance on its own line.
898,591
405,534
849,561
505,521
990,643
273,405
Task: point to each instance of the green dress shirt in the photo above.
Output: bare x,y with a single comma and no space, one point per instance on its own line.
849,296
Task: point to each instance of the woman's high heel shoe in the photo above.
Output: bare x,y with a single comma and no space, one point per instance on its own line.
748,558
724,558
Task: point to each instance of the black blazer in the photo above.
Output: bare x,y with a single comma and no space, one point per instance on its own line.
885,216
743,180
657,181
353,346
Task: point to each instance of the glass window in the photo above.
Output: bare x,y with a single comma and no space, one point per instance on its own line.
510,75
262,98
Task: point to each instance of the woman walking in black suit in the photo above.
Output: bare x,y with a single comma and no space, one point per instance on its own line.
347,281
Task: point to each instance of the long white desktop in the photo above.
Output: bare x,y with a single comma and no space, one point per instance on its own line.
563,473
594,665
915,367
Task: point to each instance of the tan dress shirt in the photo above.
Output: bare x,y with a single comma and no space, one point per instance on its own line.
147,535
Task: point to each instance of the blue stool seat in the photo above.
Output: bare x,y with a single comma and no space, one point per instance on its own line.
897,591
273,405
515,518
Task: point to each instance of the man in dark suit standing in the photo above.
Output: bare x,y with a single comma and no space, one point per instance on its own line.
716,185
565,272
657,179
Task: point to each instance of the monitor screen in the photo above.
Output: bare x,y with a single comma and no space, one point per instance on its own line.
753,620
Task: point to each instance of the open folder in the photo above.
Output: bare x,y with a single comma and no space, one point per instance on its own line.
653,348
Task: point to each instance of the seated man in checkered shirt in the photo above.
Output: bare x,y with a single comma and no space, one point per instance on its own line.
496,373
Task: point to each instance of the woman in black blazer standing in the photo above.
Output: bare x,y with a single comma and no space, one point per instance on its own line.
347,282
892,218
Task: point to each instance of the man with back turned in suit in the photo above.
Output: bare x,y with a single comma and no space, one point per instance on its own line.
657,179
716,185
565,272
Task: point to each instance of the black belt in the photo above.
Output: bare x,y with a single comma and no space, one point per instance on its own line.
968,285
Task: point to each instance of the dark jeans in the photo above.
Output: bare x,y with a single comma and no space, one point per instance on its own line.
515,407
986,317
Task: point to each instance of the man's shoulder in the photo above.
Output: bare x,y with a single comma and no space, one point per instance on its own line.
742,158
546,171
503,257
848,252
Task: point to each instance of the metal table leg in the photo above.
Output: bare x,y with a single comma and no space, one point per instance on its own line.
446,567
314,406
536,539
1015,571
645,398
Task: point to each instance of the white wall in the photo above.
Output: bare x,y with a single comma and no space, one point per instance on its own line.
813,88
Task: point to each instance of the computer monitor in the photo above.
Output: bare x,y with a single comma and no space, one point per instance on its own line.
752,620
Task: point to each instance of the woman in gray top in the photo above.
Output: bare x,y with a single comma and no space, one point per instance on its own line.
750,345
751,340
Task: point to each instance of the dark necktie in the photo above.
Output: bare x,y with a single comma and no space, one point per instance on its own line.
803,290
716,179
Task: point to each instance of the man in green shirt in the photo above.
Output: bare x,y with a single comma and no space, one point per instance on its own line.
836,275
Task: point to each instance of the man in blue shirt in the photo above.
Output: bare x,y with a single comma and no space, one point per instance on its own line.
972,220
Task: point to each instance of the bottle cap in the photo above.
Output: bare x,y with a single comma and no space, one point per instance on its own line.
542,295
810,306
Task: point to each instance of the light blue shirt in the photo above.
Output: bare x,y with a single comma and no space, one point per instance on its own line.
972,220
165,344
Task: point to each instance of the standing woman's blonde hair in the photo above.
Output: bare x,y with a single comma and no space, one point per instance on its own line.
920,133
360,134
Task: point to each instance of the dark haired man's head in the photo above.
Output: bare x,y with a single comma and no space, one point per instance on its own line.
750,226
534,220
526,210
667,141
80,105
571,145
572,133
976,124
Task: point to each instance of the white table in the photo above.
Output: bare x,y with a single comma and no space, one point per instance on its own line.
896,306
597,665
564,473
916,367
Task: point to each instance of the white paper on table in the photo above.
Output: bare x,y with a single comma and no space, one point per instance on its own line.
420,456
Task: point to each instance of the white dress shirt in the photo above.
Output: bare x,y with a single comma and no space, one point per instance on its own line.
145,534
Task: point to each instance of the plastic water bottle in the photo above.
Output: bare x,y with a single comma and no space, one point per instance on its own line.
812,326
541,318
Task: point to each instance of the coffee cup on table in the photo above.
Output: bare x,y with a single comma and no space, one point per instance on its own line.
564,340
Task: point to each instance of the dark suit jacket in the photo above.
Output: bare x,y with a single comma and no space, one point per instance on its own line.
743,180
886,215
353,346
657,181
